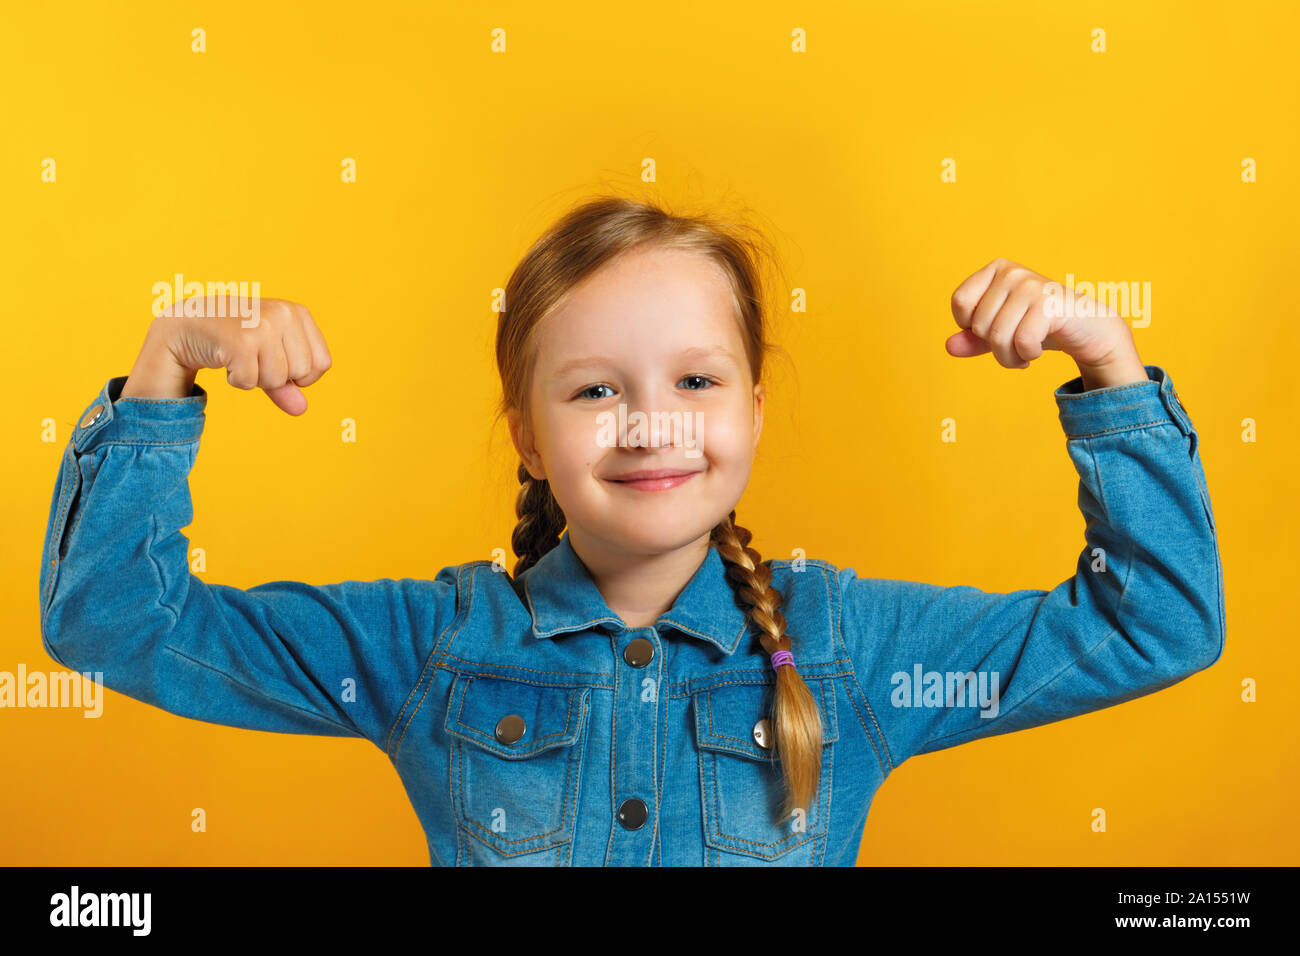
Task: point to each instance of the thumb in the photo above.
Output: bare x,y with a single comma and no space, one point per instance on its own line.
966,343
288,398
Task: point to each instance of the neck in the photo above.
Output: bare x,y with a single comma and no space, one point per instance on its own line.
638,587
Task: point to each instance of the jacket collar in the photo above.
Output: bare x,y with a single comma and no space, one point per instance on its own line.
562,597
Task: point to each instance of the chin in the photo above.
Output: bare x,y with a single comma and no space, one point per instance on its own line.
657,536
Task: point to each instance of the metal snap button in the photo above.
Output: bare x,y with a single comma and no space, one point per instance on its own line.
763,734
639,653
632,813
510,728
91,416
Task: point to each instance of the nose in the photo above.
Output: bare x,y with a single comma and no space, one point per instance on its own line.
663,423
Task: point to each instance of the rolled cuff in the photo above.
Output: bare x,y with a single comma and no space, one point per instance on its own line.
139,421
1085,414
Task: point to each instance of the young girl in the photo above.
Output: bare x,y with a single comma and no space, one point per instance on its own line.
644,689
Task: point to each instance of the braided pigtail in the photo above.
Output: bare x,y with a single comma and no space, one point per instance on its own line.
540,523
796,722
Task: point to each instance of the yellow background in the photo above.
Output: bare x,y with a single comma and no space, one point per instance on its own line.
225,165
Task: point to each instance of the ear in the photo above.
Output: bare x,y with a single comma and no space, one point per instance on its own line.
523,442
760,394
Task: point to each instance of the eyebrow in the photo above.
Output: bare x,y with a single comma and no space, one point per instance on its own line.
591,361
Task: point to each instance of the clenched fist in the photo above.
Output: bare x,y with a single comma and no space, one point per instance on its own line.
1003,309
279,349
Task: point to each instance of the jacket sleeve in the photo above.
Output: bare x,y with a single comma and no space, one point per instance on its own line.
941,666
120,603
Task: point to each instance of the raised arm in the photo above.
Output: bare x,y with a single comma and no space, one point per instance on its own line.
1143,609
118,597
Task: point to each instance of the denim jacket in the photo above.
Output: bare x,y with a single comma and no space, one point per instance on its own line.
530,726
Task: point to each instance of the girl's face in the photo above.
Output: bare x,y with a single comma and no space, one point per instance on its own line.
655,331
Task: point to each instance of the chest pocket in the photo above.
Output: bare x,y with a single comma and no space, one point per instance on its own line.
741,781
516,762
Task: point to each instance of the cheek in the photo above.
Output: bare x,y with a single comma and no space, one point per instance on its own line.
727,439
572,447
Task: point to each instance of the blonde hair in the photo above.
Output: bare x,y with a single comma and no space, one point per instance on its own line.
579,243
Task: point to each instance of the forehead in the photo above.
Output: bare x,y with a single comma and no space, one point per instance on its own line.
646,302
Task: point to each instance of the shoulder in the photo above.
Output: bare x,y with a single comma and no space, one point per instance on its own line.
804,577
810,600
480,579
481,587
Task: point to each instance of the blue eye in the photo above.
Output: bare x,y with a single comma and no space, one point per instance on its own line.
703,378
585,393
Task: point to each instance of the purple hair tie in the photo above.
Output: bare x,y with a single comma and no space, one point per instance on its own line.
782,657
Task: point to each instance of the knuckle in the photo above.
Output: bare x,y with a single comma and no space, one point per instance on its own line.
274,311
273,377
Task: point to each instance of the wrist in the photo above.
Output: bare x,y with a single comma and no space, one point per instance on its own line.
156,372
1108,376
1122,368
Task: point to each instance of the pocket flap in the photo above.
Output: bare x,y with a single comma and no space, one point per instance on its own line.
725,716
550,716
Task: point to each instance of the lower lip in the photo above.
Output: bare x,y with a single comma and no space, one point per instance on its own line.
656,484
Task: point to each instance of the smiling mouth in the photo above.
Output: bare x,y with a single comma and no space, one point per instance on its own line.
661,480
